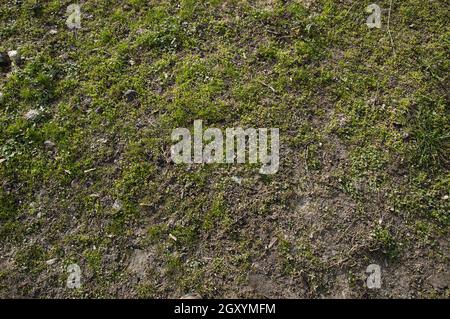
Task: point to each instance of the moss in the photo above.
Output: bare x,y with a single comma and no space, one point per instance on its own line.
362,117
386,241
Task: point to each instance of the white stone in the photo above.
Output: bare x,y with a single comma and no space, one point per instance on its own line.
14,56
32,115
51,261
117,205
236,179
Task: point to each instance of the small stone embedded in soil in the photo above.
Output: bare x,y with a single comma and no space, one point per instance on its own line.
117,205
405,136
51,261
49,144
237,180
130,95
31,115
15,57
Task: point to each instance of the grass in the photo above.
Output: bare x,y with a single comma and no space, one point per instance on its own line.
363,127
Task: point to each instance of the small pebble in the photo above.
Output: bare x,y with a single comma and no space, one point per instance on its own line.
49,144
130,95
237,180
31,115
117,205
51,261
14,56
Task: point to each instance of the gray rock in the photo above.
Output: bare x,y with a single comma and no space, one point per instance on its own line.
405,136
130,95
49,144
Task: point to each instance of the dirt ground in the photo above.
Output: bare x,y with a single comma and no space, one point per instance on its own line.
86,176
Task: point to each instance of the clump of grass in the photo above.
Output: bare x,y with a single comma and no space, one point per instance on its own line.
386,242
430,132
